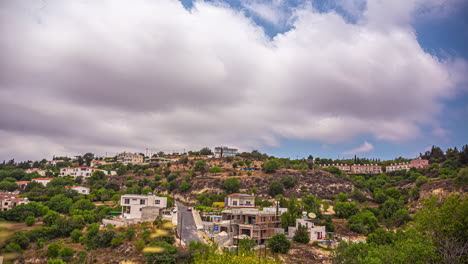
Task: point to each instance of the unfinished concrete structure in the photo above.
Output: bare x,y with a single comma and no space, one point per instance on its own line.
256,224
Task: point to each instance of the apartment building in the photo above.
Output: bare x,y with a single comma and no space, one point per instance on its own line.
256,224
38,171
397,167
79,189
79,171
127,158
43,181
366,169
224,152
239,200
136,206
10,200
343,167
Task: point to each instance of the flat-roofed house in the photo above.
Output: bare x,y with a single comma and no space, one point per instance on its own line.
239,200
10,200
137,206
79,189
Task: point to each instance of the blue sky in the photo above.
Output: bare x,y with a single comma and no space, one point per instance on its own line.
379,79
439,35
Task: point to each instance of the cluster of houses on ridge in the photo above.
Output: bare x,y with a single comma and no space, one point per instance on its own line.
377,169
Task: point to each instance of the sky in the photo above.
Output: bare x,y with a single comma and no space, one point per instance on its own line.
333,79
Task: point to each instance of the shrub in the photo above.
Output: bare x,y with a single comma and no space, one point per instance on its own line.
270,166
279,244
30,220
345,209
75,235
231,185
363,222
140,244
66,253
116,241
53,250
288,182
184,186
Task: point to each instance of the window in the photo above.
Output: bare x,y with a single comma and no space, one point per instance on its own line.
142,201
127,201
234,202
157,202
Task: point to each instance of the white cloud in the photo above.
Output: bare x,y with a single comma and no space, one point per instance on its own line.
107,76
365,147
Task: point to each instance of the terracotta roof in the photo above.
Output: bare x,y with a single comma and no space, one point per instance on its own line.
43,179
22,182
240,195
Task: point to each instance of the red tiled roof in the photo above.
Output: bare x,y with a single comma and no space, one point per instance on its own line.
43,179
240,195
22,182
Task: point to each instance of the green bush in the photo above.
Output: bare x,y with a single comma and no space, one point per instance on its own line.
75,235
116,241
301,235
53,250
140,244
30,220
279,244
66,253
275,188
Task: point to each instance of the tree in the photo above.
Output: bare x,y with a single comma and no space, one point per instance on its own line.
301,236
462,178
88,157
215,170
184,186
270,166
288,181
345,209
60,203
279,244
231,185
200,166
390,207
206,151
83,204
167,256
275,188
341,197
381,237
363,222
76,235
311,204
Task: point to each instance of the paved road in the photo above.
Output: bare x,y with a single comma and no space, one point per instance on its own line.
186,225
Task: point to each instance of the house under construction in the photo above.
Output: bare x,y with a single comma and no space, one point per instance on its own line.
256,224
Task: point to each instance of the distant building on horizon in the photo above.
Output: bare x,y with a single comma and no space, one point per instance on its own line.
126,158
225,151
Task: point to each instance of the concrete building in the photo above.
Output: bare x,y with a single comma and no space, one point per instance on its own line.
95,163
343,167
256,224
315,232
239,200
38,171
79,189
397,167
224,152
366,169
79,171
136,206
127,158
43,181
10,200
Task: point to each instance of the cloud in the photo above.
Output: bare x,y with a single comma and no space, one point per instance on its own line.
107,76
365,147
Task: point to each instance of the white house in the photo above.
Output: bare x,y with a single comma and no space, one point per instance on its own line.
79,171
239,200
43,181
136,206
316,232
10,200
80,189
39,171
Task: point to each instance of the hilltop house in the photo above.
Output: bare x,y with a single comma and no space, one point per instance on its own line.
224,151
43,181
127,158
239,200
38,171
79,171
